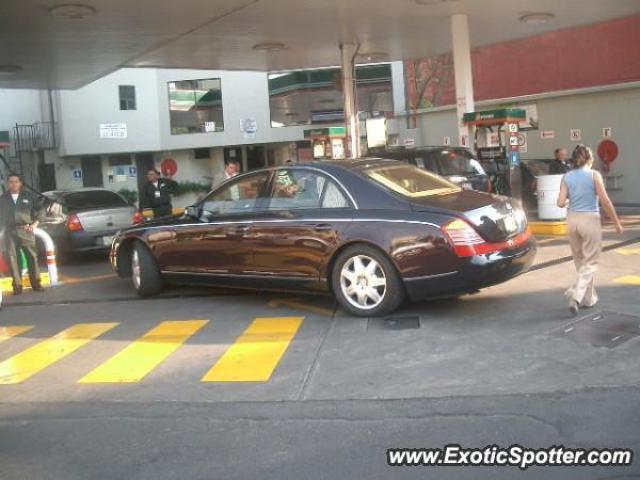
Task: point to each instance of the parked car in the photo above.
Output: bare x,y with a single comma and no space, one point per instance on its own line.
372,231
457,164
85,219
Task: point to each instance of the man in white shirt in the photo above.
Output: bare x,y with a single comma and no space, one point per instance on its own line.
231,169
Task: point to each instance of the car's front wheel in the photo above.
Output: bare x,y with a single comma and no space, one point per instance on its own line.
145,274
366,283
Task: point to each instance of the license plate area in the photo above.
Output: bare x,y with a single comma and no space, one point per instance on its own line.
106,240
510,224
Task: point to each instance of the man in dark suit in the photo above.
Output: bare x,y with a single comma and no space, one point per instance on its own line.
156,194
19,216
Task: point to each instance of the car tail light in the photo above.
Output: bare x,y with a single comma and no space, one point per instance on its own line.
138,218
467,242
74,224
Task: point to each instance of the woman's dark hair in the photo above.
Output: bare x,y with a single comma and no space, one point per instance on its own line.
582,155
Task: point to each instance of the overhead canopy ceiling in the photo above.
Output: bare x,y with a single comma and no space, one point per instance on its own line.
49,51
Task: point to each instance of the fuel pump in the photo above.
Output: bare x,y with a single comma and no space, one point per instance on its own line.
501,157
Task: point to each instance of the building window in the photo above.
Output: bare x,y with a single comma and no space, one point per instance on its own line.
119,160
195,106
127,97
201,153
306,97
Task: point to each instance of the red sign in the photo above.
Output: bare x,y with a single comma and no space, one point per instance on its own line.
608,151
169,167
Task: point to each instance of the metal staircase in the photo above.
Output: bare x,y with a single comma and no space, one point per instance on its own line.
26,150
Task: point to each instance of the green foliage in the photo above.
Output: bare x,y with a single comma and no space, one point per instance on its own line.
130,196
191,187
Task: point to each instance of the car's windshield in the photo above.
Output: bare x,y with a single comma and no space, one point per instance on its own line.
93,199
457,162
410,181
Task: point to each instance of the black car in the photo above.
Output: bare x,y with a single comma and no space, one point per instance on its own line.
457,164
373,232
85,219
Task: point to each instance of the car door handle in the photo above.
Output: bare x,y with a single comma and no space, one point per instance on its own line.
322,227
240,228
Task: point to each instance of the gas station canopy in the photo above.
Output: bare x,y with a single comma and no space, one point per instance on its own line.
50,44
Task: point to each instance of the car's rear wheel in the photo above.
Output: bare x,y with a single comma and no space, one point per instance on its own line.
145,274
366,283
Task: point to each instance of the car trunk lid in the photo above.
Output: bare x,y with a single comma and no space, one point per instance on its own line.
105,219
495,218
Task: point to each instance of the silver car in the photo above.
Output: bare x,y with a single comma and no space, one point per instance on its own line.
85,219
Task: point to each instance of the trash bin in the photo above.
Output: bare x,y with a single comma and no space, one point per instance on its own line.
548,191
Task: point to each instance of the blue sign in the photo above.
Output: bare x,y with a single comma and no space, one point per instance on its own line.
133,171
515,158
77,174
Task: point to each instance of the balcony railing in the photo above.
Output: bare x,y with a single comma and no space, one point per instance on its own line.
38,136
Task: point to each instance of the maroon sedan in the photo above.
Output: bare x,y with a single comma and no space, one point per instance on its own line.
373,232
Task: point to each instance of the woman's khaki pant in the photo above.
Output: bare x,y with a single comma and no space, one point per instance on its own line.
585,238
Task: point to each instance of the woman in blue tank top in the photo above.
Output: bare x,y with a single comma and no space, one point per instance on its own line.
581,190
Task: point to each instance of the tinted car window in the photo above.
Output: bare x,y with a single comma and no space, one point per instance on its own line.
410,181
237,196
295,188
457,162
93,199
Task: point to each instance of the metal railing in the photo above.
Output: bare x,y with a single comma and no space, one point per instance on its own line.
37,136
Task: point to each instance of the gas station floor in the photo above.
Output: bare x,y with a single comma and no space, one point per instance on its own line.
214,383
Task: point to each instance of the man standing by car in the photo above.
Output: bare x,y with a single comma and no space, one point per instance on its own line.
231,169
156,194
562,164
20,216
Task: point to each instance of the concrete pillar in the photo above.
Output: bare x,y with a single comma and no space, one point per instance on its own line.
463,74
347,64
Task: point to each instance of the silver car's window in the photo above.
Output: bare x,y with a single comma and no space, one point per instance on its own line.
296,188
237,196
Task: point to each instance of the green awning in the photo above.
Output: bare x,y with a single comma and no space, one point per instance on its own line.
495,117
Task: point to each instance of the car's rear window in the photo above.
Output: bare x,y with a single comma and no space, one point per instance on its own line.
457,162
410,181
93,199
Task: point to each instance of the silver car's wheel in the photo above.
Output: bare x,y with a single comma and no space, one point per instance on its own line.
363,282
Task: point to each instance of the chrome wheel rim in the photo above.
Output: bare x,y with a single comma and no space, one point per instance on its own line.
135,269
363,282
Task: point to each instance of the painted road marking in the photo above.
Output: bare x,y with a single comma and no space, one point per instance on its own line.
629,251
300,306
96,278
8,332
27,363
140,357
628,280
256,353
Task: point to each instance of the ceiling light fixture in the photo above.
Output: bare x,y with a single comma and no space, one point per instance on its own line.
537,18
72,11
270,46
372,56
430,2
9,69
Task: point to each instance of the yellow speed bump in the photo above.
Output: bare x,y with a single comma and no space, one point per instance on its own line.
27,363
256,353
8,332
628,280
140,357
629,251
548,228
